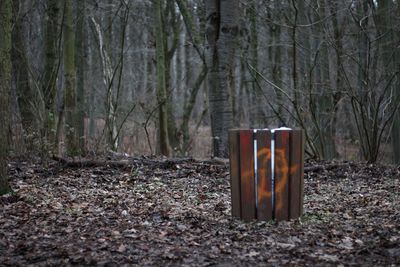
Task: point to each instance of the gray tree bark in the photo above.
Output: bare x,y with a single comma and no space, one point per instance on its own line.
257,116
172,28
71,127
80,60
161,81
25,94
391,65
277,74
5,89
51,67
221,32
325,102
396,121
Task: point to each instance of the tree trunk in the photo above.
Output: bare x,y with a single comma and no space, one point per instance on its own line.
180,66
93,60
50,69
25,95
108,79
304,48
161,81
395,134
188,109
243,95
326,111
5,89
71,127
338,32
235,88
391,65
396,119
80,60
193,86
277,77
109,54
221,31
172,27
362,106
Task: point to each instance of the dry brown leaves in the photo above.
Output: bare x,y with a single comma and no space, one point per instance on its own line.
179,214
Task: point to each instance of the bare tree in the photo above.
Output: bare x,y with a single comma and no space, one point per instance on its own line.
222,30
51,68
161,80
80,62
71,127
5,89
25,93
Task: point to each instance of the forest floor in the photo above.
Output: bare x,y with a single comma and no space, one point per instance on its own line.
156,212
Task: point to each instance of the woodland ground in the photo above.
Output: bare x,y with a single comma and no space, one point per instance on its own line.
155,212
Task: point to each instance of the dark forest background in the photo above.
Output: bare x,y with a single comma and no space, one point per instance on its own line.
171,77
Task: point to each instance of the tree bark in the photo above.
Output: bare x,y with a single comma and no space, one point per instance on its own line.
5,89
25,95
71,127
190,95
325,103
277,75
80,60
257,117
93,60
221,31
50,69
172,27
108,80
363,82
391,65
303,48
161,81
395,133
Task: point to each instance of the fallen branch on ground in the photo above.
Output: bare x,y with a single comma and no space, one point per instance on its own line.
327,167
125,163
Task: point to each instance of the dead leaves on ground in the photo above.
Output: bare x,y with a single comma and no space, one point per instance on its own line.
179,214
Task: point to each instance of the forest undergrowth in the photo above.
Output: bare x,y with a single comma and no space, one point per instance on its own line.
164,212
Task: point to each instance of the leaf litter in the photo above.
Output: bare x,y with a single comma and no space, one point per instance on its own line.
158,212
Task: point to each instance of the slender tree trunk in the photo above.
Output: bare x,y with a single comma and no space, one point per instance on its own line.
50,69
277,77
188,72
180,66
395,134
304,47
391,64
80,59
338,31
108,81
25,95
362,107
326,110
243,96
188,109
93,60
109,54
171,24
5,89
145,70
193,86
161,82
71,127
235,88
221,31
